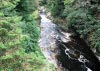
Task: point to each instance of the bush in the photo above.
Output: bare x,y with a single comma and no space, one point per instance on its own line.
56,7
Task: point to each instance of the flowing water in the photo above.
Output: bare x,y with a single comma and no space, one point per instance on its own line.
58,49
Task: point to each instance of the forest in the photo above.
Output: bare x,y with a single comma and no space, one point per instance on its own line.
20,31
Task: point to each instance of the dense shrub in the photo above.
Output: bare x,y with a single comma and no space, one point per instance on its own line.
56,7
85,19
19,36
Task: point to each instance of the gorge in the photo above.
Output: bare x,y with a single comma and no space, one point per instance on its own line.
65,49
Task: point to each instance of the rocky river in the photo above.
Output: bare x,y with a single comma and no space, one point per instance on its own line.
65,49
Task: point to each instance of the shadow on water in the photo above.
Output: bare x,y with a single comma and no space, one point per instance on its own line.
76,48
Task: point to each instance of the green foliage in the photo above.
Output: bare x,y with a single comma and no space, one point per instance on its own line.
1,14
68,9
3,32
19,35
28,5
76,17
56,7
30,42
42,2
68,1
84,17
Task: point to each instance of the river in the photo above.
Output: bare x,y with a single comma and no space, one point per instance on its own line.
62,49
